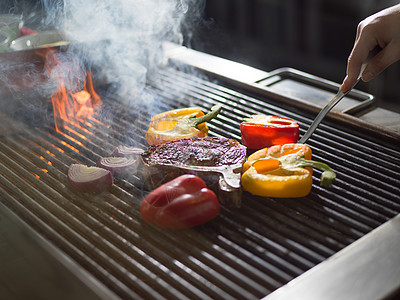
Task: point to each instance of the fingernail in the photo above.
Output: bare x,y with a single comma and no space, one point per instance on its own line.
367,76
343,85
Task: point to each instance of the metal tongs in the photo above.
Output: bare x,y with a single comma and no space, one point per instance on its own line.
339,96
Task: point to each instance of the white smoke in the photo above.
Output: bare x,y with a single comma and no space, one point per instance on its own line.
122,38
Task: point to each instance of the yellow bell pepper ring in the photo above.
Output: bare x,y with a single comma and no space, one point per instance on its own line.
179,124
283,171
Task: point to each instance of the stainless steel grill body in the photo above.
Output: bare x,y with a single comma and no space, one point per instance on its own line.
245,253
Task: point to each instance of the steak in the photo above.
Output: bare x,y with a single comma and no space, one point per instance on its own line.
218,161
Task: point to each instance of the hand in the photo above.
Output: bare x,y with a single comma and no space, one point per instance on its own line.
382,31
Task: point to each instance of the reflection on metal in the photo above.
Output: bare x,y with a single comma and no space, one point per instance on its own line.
367,269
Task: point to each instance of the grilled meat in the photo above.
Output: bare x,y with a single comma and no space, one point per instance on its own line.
218,161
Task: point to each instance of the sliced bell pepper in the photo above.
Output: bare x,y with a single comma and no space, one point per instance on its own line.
180,203
260,131
179,124
283,171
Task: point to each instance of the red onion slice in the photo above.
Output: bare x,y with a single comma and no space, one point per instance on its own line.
119,166
126,151
89,179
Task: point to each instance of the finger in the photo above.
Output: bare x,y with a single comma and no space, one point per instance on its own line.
354,64
359,28
377,64
346,84
357,58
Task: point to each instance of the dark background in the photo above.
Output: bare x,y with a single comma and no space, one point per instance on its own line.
314,36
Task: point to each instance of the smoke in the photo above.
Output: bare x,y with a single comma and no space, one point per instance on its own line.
121,38
119,41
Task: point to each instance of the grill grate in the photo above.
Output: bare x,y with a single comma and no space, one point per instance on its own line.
243,254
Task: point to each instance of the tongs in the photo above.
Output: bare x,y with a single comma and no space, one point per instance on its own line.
339,96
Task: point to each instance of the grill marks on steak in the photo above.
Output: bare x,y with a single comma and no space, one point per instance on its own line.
218,161
209,151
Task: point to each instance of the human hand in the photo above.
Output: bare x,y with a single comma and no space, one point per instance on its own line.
382,31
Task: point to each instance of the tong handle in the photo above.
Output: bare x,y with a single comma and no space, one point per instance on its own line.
339,96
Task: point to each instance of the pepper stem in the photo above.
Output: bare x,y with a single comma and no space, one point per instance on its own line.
327,176
207,117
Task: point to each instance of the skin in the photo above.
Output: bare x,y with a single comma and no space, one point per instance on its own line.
377,45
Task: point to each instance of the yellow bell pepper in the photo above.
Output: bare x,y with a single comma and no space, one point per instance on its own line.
283,171
179,124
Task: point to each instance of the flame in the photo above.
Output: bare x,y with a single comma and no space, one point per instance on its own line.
74,107
45,160
71,105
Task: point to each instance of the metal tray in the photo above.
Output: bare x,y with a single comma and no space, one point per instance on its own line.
314,90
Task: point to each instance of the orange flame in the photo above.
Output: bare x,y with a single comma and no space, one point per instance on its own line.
69,104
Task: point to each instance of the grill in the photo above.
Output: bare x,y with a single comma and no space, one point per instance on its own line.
245,253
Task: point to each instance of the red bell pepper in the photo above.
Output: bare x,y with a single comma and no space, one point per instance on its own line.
180,203
261,131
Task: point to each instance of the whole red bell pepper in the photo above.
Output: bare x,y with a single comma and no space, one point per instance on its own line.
180,203
261,131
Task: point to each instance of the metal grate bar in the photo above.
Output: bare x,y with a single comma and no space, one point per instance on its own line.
242,254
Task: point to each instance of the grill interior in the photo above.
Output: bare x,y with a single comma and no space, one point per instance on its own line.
245,253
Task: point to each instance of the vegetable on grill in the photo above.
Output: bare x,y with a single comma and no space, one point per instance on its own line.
179,124
260,131
119,166
283,171
89,179
126,151
180,203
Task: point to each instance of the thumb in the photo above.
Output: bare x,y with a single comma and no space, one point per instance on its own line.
382,60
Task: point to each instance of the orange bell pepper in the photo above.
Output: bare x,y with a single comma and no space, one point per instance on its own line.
283,171
179,124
